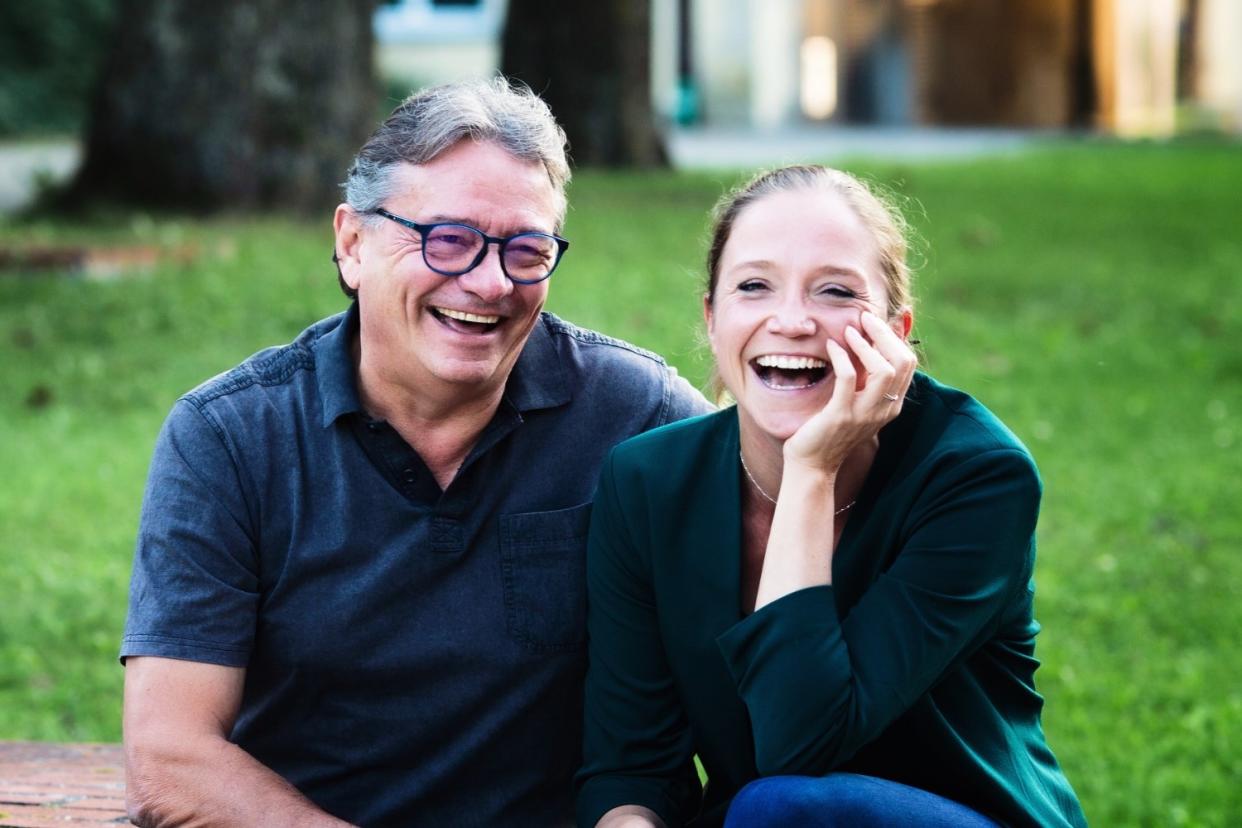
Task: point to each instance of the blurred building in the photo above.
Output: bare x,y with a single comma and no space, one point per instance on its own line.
424,42
1126,66
1131,67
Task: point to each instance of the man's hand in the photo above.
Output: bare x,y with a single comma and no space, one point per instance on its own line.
180,767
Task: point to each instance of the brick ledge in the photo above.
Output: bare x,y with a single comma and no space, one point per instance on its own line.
44,784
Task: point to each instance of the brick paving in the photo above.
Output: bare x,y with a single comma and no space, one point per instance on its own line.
77,786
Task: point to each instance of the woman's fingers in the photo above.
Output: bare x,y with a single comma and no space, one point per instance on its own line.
817,442
880,372
894,350
843,374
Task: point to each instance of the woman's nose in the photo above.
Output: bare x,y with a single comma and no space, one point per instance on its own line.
791,320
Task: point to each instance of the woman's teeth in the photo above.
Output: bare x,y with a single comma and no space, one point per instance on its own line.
790,362
784,373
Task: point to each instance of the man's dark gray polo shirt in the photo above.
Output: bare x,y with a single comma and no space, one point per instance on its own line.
413,656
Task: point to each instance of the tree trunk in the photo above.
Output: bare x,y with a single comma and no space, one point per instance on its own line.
591,62
230,104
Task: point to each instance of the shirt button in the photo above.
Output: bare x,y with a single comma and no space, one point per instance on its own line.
374,427
408,475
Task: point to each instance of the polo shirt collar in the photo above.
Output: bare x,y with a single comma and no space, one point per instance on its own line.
335,369
538,379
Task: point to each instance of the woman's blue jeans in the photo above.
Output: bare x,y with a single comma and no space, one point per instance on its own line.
845,799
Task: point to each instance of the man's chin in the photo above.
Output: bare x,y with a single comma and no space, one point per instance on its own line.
470,371
468,374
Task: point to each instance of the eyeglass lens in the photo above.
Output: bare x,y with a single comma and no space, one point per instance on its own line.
456,248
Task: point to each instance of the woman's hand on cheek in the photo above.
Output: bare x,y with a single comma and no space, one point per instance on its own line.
862,402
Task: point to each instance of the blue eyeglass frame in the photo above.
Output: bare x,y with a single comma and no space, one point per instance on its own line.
423,229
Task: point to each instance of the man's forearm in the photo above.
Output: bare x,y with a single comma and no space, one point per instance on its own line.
209,781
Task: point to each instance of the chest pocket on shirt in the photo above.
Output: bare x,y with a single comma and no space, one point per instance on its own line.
543,561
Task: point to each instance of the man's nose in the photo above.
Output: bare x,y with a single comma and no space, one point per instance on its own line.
487,280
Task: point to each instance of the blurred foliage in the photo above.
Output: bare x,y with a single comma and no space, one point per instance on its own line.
51,52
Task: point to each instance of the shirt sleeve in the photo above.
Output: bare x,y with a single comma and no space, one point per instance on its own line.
684,400
637,745
194,589
818,688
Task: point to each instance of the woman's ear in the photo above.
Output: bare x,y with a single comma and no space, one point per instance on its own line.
903,323
707,312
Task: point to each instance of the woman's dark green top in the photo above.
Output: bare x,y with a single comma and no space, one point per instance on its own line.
917,664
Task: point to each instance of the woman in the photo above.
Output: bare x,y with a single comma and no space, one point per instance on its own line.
826,587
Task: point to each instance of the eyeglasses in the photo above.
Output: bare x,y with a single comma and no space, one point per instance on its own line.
454,249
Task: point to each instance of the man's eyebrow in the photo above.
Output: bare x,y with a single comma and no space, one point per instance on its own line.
442,218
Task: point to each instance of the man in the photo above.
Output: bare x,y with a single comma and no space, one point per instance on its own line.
358,587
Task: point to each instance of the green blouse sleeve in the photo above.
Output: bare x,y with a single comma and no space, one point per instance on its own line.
818,688
637,747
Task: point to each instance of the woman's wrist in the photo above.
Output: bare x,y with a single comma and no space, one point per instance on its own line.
797,474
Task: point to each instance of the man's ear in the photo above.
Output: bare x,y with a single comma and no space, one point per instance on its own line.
347,226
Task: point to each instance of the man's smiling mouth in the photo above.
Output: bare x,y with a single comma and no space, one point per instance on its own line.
465,322
784,372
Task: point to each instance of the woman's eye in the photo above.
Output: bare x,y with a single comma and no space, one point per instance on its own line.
837,292
751,286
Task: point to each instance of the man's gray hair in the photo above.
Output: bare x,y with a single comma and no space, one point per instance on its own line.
433,120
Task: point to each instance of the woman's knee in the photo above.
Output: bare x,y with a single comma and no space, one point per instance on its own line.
775,801
843,799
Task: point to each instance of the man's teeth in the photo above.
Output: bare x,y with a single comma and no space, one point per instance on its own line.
790,362
468,317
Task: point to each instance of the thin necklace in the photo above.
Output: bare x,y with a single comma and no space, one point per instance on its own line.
769,497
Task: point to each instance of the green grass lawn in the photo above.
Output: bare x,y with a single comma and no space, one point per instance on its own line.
1090,295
